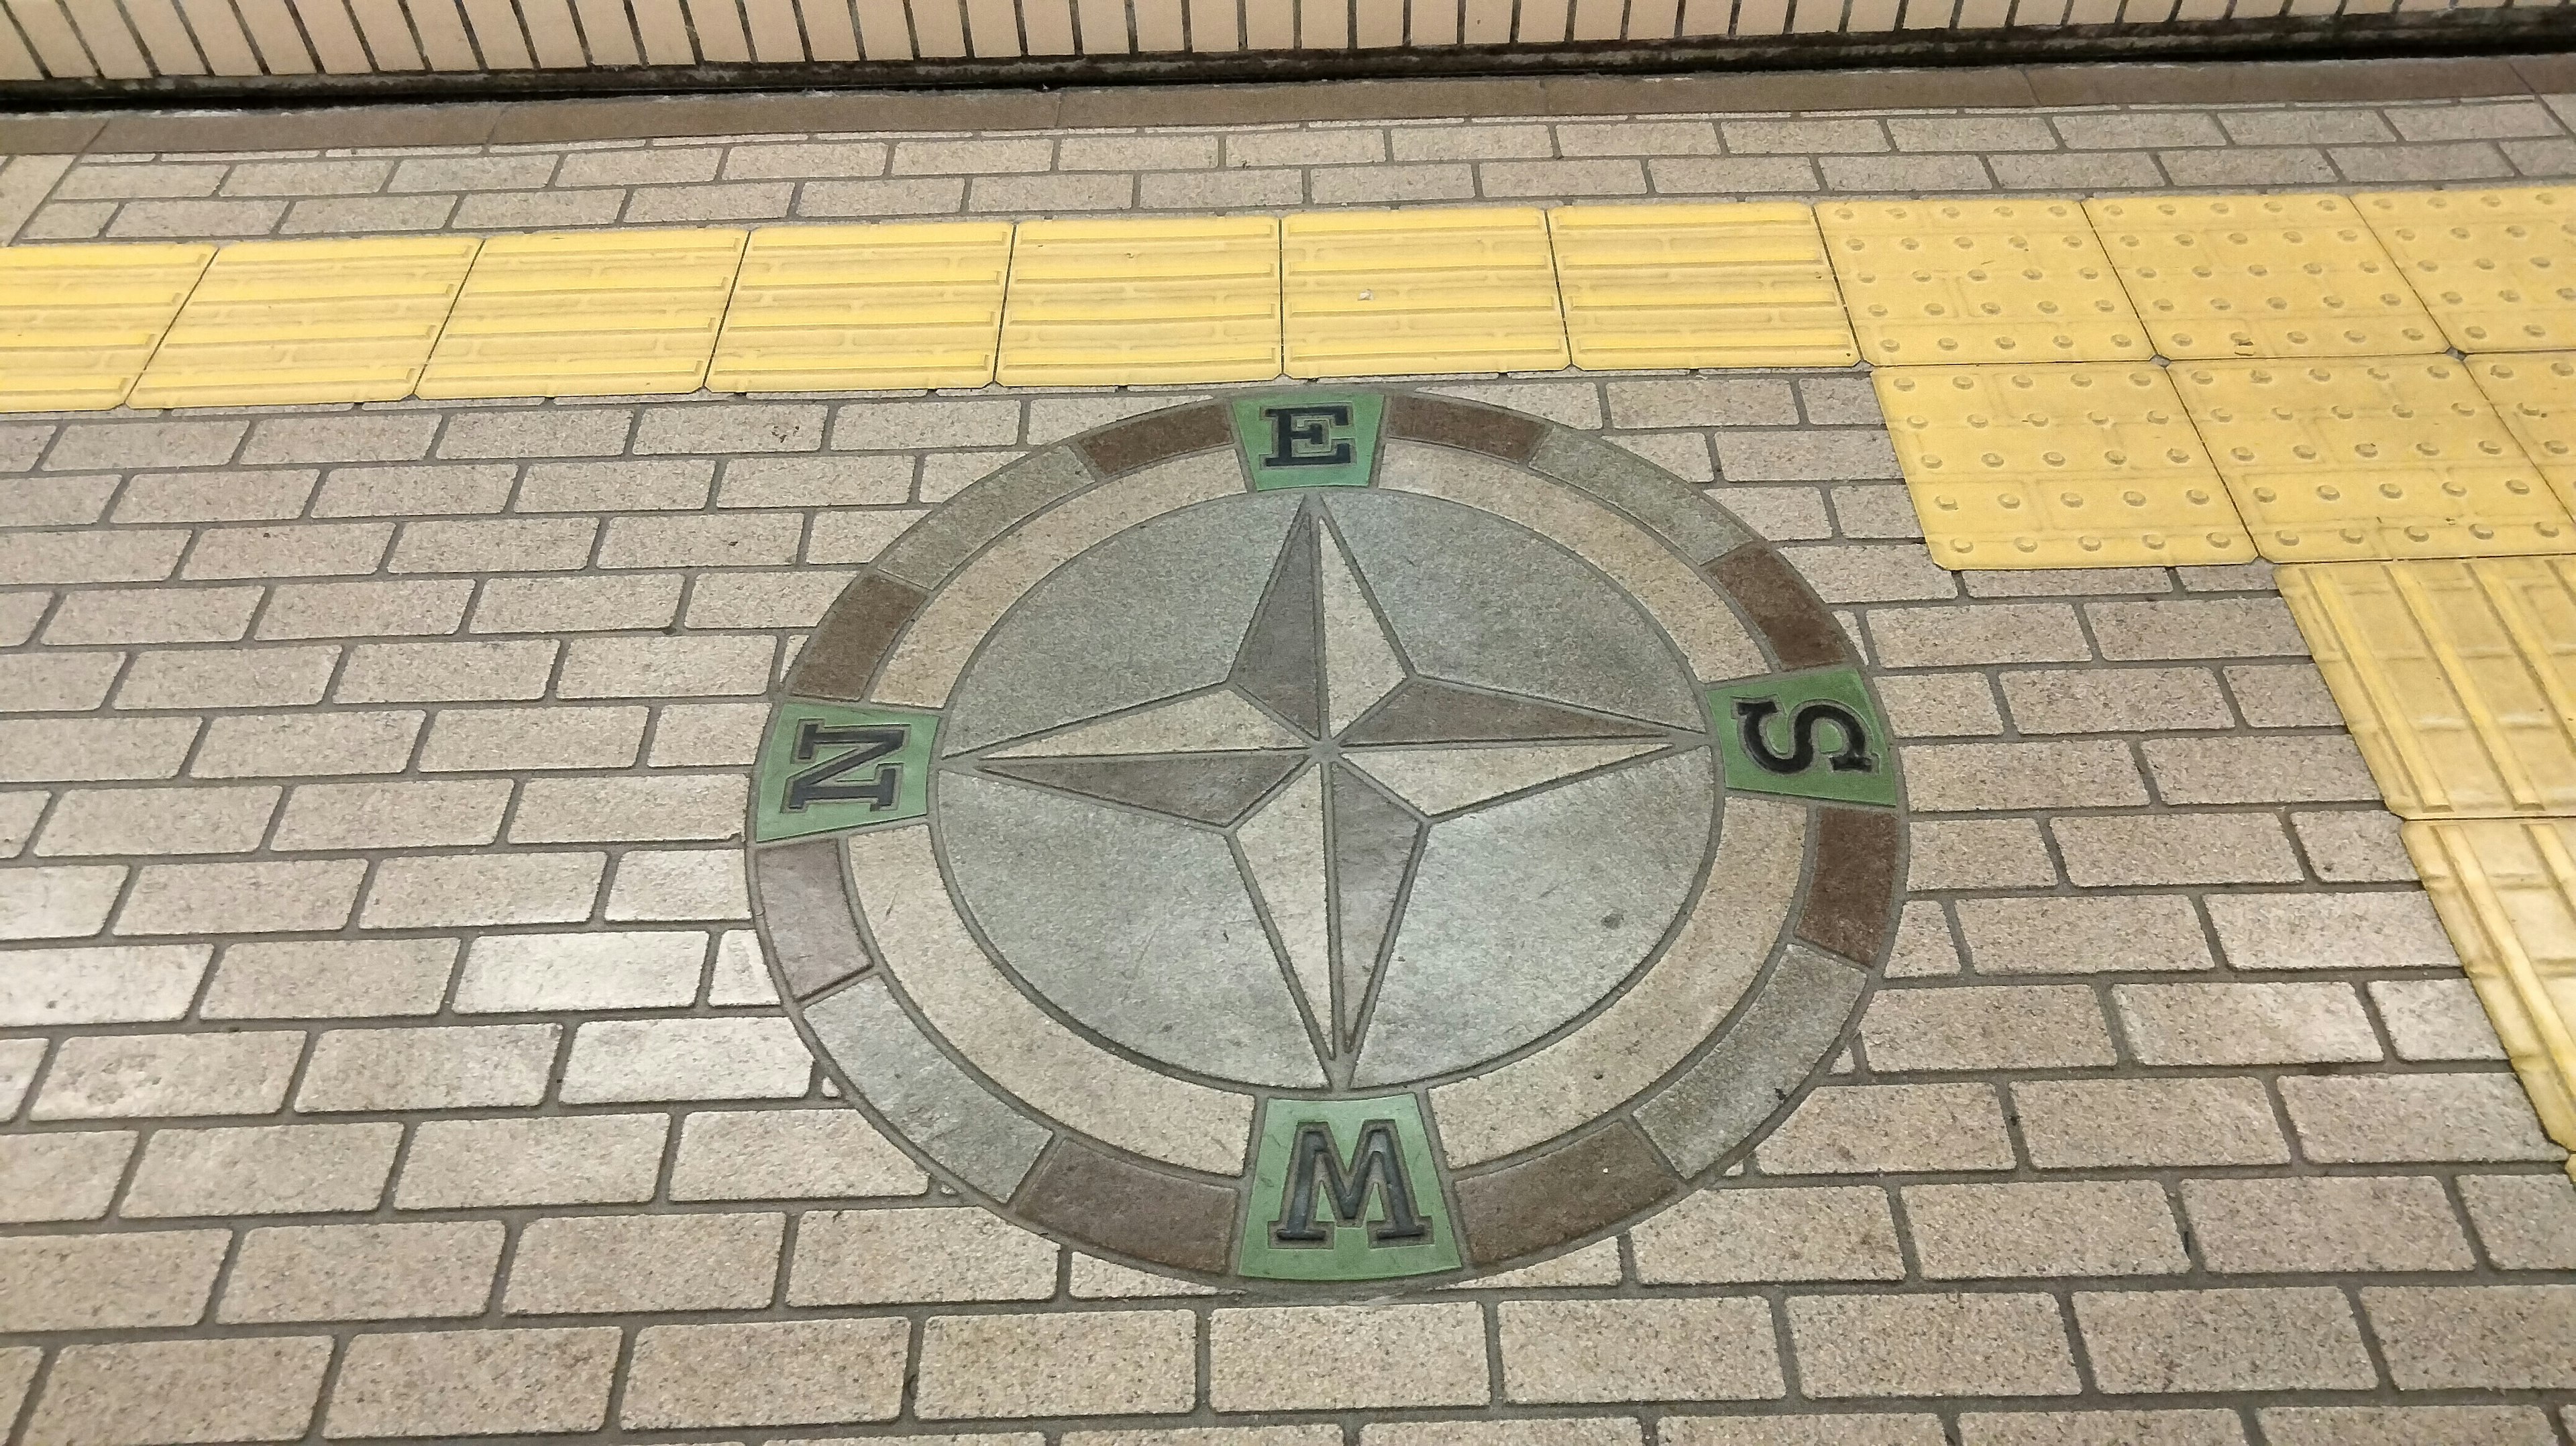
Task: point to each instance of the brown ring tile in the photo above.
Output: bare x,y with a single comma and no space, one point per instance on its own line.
813,936
1564,1193
1852,897
1182,1221
843,652
1156,437
1802,634
1496,433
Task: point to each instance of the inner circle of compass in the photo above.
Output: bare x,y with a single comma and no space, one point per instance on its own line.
1326,838
1335,790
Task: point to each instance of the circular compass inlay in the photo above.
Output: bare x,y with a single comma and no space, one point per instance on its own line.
1327,837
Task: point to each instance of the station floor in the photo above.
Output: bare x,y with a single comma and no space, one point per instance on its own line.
1277,775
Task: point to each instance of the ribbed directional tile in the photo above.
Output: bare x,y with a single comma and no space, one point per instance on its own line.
2535,393
79,323
2496,268
1738,285
1389,293
1978,281
2381,458
856,308
2506,892
2262,276
2457,678
309,321
586,313
2088,465
1138,300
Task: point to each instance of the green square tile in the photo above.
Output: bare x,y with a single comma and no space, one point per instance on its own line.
1309,439
1805,735
830,768
1356,1177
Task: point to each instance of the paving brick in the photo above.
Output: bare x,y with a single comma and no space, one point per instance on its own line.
1063,1364
537,210
240,898
288,745
263,1170
1977,854
1081,192
65,502
2198,628
474,1382
2474,120
2373,1118
589,1265
2248,166
538,432
575,1160
2379,930
1521,142
471,173
845,537
362,1272
699,666
2080,1124
930,197
2076,171
306,178
2524,1222
510,544
1603,177
19,1059
578,604
134,446
330,979
2460,161
685,806
2258,770
786,1373
260,1389
408,813
2081,1228
801,162
2114,700
2175,848
446,672
2083,935
679,884
50,988
2244,1023
366,609
1936,705
1731,1236
426,490
283,549
138,182
236,494
2336,1223
765,600
2223,1340
1890,1128
545,973
627,485
1953,637
2434,1019
1996,777
739,539
900,426
373,437
154,615
107,1282
1769,1429
745,201
45,750
28,558
2497,1337
830,1153
1985,1027
1930,1345
815,481
1346,1357
59,902
522,739
141,1075
2353,846
429,1068
883,1257
708,734
686,1059
2406,1426
2102,1428
253,678
61,1175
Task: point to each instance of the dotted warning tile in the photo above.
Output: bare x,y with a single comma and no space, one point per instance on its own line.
1739,285
2496,268
1932,282
2262,276
309,321
1130,301
861,308
2506,894
2087,465
2457,677
78,323
2378,458
1391,293
2536,396
577,314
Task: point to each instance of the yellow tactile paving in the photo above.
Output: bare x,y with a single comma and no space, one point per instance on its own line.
79,323
2535,393
2456,676
594,313
2496,268
1136,300
1745,284
2506,893
1932,282
2375,457
309,321
2083,465
2261,276
1388,293
854,308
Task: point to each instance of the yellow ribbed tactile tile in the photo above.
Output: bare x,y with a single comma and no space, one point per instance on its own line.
1132,301
2377,457
2083,465
1392,293
2506,893
1737,285
857,308
1932,282
2535,393
2496,268
79,323
586,314
2457,678
2261,276
309,321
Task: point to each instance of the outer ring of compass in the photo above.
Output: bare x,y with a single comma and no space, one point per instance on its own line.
1510,1211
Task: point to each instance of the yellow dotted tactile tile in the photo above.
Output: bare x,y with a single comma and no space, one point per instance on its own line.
856,308
309,321
79,323
1132,301
1932,282
2369,458
1390,293
2506,894
2535,393
2082,465
2261,276
1745,284
2457,677
586,313
2496,268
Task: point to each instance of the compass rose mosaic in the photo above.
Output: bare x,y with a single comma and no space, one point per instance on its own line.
1327,838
